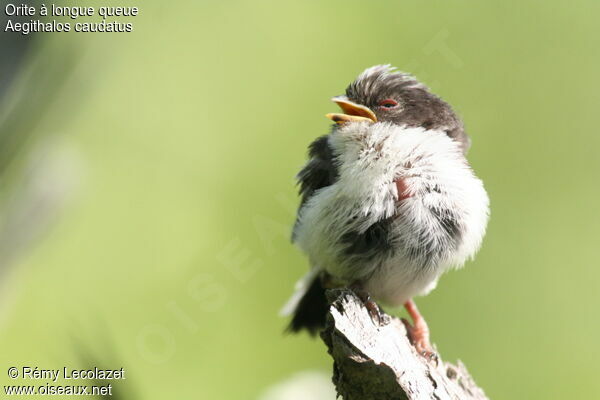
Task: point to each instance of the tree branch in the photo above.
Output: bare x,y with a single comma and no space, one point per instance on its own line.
378,362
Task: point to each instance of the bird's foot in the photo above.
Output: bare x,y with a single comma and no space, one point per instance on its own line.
418,333
420,340
375,312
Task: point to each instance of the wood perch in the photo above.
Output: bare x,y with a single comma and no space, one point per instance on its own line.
378,362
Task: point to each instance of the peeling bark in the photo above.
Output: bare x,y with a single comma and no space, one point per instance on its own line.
378,362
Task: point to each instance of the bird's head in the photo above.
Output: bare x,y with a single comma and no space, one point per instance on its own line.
383,94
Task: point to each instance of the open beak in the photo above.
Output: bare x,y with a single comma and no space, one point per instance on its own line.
352,112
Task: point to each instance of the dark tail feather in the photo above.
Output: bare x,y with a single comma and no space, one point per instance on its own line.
311,311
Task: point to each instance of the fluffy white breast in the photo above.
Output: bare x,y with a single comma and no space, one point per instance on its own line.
370,157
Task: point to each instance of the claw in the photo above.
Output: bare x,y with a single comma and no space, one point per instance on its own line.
374,311
418,333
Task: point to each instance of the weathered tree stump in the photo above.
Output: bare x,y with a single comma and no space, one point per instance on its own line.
379,362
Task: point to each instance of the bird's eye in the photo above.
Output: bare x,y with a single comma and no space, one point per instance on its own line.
388,103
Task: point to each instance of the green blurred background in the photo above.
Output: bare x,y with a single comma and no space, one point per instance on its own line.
147,188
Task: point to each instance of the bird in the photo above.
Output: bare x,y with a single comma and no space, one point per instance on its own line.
388,201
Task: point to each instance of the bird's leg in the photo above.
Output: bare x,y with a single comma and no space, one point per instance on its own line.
418,332
371,306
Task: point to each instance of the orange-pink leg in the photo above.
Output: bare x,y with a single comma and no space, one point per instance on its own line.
418,332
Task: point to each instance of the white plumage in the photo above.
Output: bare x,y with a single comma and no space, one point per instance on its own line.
370,157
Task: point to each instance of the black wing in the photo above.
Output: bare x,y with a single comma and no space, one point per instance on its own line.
319,172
